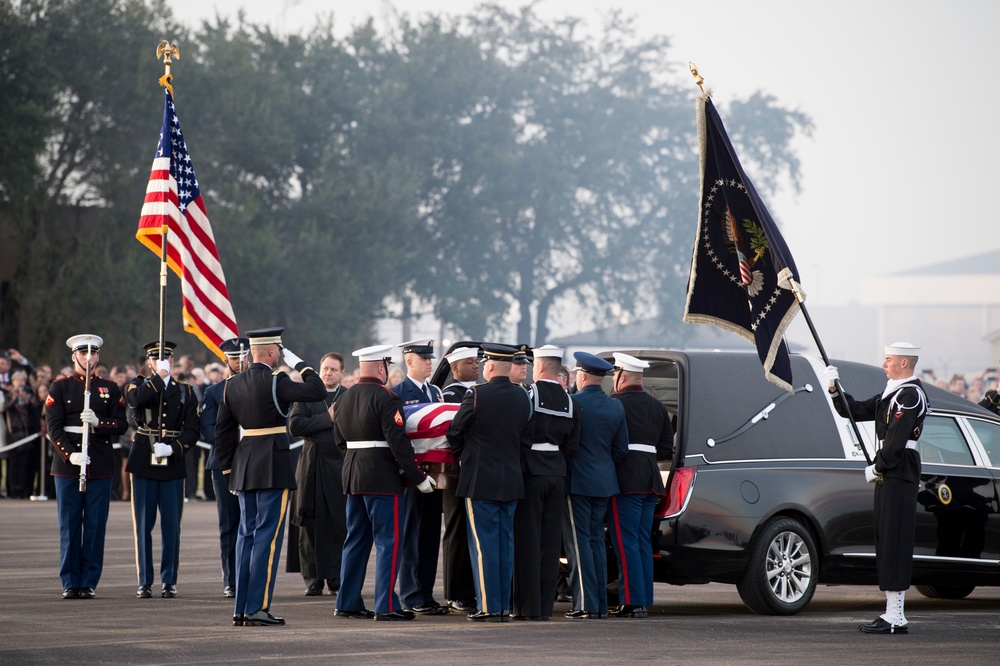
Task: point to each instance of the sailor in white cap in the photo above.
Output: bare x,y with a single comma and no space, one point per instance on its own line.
650,439
538,518
83,515
369,430
898,413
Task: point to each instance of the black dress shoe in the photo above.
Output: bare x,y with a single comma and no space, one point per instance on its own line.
168,591
430,608
229,592
262,619
523,618
565,598
395,616
238,620
628,610
364,614
880,626
71,593
577,614
480,616
86,593
144,591
462,605
314,589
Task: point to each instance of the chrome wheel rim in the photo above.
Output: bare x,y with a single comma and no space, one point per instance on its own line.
788,567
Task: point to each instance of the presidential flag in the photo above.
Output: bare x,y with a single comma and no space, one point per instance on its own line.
741,271
173,202
426,425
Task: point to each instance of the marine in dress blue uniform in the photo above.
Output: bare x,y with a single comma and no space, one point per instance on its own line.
421,537
898,413
370,433
83,516
592,482
166,412
538,519
488,434
227,504
259,465
630,516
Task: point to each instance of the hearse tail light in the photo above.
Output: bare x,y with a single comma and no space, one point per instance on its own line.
678,492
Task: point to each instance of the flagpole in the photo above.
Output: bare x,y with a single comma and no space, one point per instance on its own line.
164,50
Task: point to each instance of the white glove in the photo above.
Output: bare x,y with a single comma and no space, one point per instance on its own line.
88,417
831,375
161,450
290,358
162,365
77,458
870,474
427,485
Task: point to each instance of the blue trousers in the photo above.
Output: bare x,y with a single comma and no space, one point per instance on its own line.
148,496
588,571
419,547
491,547
258,547
83,518
228,506
630,520
378,519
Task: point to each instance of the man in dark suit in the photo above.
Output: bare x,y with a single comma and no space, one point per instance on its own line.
488,434
421,536
369,431
259,465
538,519
227,504
592,482
166,413
318,509
83,514
651,438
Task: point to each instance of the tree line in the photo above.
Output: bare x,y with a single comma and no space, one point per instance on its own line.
487,167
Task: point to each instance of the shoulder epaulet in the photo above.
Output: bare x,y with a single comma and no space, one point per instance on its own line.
276,372
60,378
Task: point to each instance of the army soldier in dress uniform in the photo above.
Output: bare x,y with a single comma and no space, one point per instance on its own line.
488,433
459,588
83,516
592,482
236,351
898,413
166,412
259,465
370,433
538,519
630,518
319,505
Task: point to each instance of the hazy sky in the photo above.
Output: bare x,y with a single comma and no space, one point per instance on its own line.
903,93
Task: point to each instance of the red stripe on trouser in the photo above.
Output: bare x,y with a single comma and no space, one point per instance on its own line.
395,548
623,585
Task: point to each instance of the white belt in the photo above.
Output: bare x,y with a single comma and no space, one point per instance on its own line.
645,448
368,444
74,429
544,446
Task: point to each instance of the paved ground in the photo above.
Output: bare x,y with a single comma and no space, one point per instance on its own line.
705,624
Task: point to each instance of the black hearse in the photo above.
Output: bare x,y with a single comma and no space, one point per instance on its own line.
767,489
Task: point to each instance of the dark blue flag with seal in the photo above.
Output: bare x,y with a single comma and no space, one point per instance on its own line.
741,273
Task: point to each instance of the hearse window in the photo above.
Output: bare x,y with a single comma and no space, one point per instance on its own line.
941,442
989,435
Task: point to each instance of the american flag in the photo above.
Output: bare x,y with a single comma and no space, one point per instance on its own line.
426,425
173,201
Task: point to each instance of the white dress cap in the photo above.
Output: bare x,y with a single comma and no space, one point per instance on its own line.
902,349
85,341
629,363
460,353
550,351
374,353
